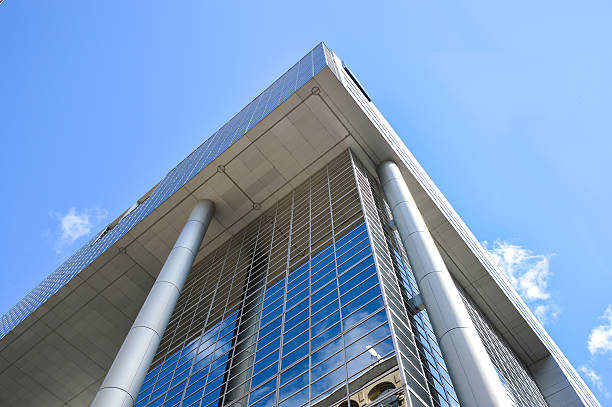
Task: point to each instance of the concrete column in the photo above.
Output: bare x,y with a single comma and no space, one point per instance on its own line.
474,377
126,375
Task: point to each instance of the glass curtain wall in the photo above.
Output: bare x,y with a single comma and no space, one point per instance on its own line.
310,305
288,312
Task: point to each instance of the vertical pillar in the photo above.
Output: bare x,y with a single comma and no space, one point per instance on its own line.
474,377
126,375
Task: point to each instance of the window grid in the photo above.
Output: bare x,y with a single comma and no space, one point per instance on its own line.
315,238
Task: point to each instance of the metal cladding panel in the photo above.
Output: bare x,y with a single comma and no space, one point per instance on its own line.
234,129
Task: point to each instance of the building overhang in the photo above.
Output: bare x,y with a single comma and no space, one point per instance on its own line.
60,353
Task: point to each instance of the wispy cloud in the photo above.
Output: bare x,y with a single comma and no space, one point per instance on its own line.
529,274
599,343
600,338
74,224
595,379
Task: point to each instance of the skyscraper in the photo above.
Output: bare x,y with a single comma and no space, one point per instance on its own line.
299,256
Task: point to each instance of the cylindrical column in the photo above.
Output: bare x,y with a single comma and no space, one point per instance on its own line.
126,375
474,377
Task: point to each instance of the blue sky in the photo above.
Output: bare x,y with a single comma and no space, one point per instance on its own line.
506,106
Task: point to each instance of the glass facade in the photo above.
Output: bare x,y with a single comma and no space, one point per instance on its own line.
288,312
309,305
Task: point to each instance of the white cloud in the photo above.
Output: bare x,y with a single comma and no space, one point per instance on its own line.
74,224
529,274
600,338
595,379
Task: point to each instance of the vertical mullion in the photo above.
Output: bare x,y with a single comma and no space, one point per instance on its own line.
282,338
331,217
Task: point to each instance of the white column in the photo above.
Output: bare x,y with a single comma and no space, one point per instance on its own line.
470,368
127,373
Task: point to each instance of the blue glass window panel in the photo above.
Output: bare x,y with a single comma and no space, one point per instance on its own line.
350,262
266,350
356,276
163,381
179,377
324,312
211,396
348,274
152,375
326,351
325,336
208,340
299,317
330,380
169,363
264,375
289,346
323,292
370,357
267,308
176,390
262,391
195,384
324,301
324,270
202,361
299,279
295,355
353,247
160,390
355,288
265,362
298,272
274,289
269,332
361,300
298,298
375,320
224,344
325,324
322,262
296,331
275,313
214,385
217,367
293,386
293,372
370,339
363,312
297,400
303,285
267,401
329,364
157,402
323,281
190,399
